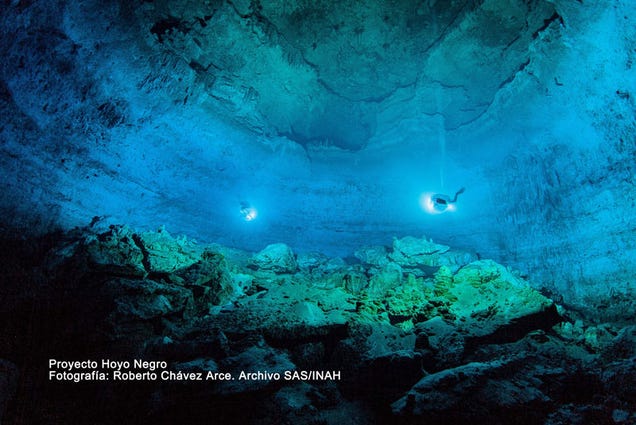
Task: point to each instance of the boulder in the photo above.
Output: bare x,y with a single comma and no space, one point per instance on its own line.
242,282
308,312
308,261
115,252
329,274
443,339
210,280
408,302
411,251
619,378
277,258
423,257
373,255
121,251
491,304
623,346
165,254
146,299
471,392
390,276
455,259
355,281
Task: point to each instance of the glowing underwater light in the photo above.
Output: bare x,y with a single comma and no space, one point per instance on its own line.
438,203
248,212
250,215
428,202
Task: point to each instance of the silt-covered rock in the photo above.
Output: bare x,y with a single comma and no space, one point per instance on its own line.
277,258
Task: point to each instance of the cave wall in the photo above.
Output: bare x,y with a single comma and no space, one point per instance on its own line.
567,173
332,119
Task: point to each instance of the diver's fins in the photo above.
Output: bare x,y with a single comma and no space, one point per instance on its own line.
459,192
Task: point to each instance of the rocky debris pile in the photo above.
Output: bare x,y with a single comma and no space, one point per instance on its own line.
416,333
418,256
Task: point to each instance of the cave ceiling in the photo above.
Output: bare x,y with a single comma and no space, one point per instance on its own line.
324,72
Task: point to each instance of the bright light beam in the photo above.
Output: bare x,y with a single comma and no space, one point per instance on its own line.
248,212
428,204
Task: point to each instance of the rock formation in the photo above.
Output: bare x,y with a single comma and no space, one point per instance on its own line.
471,342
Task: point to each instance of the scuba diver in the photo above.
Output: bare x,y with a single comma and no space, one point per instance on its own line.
247,211
441,202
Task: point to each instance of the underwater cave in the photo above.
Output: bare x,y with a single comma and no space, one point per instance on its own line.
318,212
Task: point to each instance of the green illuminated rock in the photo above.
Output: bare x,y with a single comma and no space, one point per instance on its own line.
166,254
116,252
277,258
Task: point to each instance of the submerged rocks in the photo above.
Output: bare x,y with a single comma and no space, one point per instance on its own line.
489,302
474,390
416,336
124,252
165,254
390,276
210,279
145,299
277,258
412,251
373,255
418,256
116,252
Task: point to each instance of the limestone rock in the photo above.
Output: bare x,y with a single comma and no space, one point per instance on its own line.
333,265
165,254
455,259
390,276
116,252
405,367
451,348
330,274
487,300
623,346
277,257
412,247
479,388
598,337
203,348
355,281
384,340
571,331
423,257
307,261
408,302
309,313
145,299
443,339
241,282
288,310
373,255
210,279
443,277
411,251
378,347
620,378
